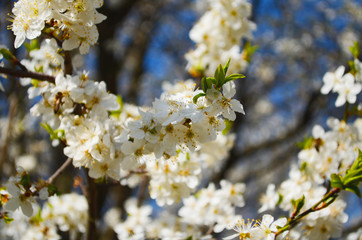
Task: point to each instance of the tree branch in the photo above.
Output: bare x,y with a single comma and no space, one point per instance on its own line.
92,208
27,74
61,169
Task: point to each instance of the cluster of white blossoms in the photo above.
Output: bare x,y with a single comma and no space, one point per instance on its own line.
47,59
20,193
218,36
348,86
214,207
168,145
258,230
209,208
72,21
326,153
165,141
67,213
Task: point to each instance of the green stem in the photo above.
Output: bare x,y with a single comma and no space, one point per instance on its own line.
294,220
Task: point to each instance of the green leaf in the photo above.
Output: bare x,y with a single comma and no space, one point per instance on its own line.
307,143
188,156
53,190
228,126
226,67
336,181
198,96
299,204
35,83
219,76
118,112
358,162
189,238
352,67
49,129
249,50
33,45
37,218
206,83
355,49
353,176
39,69
7,219
203,85
233,77
25,181
303,166
280,200
7,54
354,189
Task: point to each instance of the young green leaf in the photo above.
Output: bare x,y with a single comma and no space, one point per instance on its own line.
198,96
307,143
280,199
226,67
25,181
228,126
37,218
352,67
353,177
299,204
33,45
249,51
219,76
233,77
7,54
53,190
336,181
7,219
355,190
355,49
206,83
118,112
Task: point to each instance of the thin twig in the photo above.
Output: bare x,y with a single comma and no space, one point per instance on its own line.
27,74
22,67
61,169
316,207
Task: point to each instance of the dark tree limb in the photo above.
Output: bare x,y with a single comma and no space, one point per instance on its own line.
27,74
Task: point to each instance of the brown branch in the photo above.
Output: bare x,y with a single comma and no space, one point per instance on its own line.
61,169
68,69
142,191
27,74
92,208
